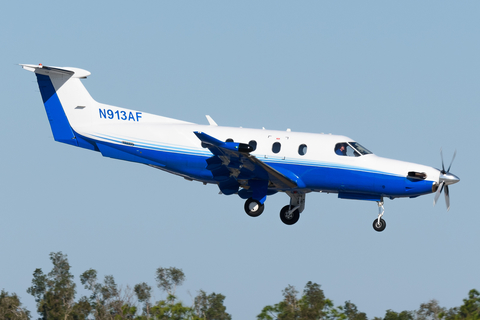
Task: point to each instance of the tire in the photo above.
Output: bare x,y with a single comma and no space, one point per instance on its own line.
253,208
291,219
380,227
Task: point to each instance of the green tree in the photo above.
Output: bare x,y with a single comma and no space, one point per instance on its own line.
351,312
429,311
171,310
55,292
333,313
82,309
106,300
313,302
144,293
168,279
311,306
11,307
470,310
348,311
404,315
210,307
284,310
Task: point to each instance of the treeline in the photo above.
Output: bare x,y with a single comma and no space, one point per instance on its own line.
55,292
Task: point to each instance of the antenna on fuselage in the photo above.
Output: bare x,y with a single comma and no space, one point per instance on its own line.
211,121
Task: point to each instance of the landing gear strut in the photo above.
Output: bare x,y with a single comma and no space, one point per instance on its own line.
379,224
253,207
291,213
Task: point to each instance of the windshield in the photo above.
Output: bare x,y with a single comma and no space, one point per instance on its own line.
360,148
350,149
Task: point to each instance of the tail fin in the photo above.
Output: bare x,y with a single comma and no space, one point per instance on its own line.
63,93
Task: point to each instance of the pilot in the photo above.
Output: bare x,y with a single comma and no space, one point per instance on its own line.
341,150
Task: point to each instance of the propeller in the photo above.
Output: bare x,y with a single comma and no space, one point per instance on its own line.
446,178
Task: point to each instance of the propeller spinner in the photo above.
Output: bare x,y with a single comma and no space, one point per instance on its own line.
446,178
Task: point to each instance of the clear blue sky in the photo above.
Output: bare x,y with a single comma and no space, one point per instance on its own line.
402,78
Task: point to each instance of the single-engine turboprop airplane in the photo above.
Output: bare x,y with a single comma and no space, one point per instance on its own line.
253,163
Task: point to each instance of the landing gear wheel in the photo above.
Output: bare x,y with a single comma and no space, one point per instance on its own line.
379,227
253,208
289,218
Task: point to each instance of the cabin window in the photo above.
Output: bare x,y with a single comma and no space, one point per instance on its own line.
229,140
302,150
253,144
276,147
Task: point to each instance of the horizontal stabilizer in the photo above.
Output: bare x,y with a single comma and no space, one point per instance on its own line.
41,69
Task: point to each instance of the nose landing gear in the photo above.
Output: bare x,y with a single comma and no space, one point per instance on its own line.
379,224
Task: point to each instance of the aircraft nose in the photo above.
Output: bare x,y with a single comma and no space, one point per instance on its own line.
448,178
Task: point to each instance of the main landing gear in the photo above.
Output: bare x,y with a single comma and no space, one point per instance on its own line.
253,207
379,224
289,214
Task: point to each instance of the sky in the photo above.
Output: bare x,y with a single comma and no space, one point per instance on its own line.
400,77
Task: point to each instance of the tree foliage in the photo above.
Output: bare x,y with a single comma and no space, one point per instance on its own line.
11,307
312,304
144,294
168,279
107,301
470,310
404,315
351,312
430,310
171,310
55,291
210,306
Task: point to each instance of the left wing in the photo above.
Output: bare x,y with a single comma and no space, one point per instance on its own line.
233,166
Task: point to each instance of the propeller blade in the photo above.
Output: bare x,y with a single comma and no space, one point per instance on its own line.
437,194
447,198
441,156
454,154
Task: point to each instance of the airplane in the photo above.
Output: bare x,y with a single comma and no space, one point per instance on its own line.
252,163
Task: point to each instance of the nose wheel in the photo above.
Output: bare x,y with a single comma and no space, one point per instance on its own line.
379,224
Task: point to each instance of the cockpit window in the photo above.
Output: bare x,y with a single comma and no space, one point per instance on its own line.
350,149
360,148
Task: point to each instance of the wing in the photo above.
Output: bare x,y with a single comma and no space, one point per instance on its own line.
233,166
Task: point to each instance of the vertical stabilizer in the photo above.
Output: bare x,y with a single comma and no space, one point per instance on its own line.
64,97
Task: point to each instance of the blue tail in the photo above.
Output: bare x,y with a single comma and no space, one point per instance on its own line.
63,94
61,129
